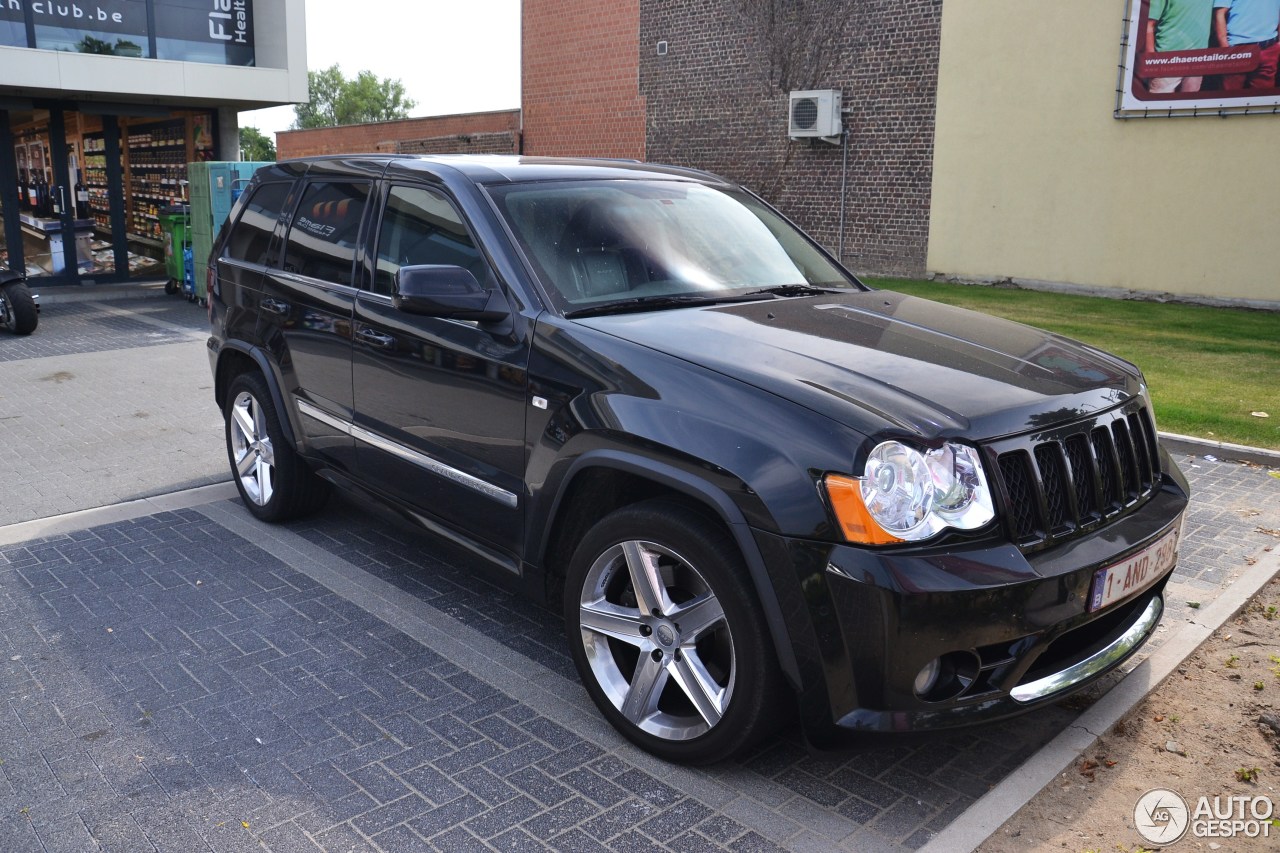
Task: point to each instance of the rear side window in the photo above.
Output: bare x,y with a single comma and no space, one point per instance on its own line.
251,237
421,227
326,230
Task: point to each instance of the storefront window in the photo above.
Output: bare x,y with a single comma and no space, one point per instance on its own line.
111,27
107,191
13,31
219,32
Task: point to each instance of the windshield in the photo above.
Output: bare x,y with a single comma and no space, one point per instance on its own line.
593,243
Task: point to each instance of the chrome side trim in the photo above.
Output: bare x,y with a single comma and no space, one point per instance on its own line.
462,478
239,264
1095,663
315,283
313,411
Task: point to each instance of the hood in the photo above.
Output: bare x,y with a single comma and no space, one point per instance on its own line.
881,361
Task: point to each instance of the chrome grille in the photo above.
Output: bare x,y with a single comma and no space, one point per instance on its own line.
1060,483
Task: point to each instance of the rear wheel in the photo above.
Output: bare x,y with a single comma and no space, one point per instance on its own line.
23,316
668,636
274,481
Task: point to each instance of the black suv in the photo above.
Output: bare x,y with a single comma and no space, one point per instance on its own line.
751,481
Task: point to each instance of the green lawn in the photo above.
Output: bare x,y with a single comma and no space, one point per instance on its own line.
1208,368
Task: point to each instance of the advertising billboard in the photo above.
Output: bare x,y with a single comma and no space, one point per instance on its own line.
1200,57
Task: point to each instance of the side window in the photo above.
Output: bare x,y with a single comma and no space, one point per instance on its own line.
420,226
251,237
325,231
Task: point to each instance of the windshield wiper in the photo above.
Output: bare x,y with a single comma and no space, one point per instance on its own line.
797,290
654,303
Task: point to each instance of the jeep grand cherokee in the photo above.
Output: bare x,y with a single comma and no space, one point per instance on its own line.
749,479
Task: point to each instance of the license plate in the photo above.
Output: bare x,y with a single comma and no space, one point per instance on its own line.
1134,573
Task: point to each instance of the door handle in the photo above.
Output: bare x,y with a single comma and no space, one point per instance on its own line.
275,306
376,339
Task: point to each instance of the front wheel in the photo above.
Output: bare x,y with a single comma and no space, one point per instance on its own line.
274,481
23,315
668,636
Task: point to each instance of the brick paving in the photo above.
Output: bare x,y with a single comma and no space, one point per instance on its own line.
69,328
193,680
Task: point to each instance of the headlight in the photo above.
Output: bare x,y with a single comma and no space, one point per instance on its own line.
906,495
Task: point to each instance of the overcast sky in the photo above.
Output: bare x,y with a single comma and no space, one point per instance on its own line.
451,57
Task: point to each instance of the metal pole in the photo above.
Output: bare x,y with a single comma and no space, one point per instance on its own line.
844,184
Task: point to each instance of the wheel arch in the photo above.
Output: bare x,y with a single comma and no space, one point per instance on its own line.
587,483
236,358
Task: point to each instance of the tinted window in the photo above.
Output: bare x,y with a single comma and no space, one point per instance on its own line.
325,231
251,236
421,227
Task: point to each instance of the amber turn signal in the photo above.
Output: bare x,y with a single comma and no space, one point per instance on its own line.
857,524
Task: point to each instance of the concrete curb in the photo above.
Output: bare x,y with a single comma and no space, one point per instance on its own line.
25,531
1222,449
1002,802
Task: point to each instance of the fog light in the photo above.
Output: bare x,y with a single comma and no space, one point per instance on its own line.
947,677
928,677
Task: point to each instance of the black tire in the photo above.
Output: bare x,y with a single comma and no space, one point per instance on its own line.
170,287
729,649
275,483
23,315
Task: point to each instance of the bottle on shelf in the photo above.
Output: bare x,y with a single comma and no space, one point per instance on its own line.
38,197
82,200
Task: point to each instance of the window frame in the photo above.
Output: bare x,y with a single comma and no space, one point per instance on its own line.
374,241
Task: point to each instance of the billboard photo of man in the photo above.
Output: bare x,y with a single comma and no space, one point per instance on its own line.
1249,23
1178,25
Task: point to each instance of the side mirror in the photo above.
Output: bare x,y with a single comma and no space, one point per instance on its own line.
446,291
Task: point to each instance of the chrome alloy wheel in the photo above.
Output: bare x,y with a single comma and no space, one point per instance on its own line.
657,640
253,456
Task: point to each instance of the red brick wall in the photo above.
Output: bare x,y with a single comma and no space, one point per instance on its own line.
716,102
580,78
487,133
505,142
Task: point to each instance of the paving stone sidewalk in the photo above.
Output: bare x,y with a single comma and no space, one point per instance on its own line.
106,402
194,680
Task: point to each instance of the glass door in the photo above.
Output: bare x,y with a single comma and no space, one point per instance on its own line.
43,235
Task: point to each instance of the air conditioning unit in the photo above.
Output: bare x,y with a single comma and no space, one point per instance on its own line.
815,114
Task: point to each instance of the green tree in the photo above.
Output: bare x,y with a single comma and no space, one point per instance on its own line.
254,145
335,100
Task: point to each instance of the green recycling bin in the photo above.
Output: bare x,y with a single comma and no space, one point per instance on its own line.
175,225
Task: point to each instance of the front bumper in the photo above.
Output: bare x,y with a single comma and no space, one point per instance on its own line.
1014,628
